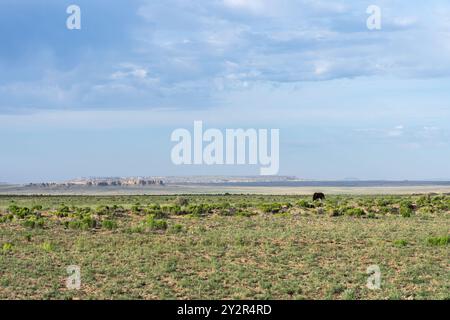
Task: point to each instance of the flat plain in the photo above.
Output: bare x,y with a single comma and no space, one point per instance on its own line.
224,246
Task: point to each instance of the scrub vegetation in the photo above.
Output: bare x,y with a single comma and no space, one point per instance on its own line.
224,246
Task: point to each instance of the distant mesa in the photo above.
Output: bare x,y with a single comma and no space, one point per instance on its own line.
103,182
162,181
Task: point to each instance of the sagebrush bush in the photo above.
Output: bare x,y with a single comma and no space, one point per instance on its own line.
84,223
244,213
438,241
198,209
36,208
171,209
158,213
33,222
305,204
102,210
177,228
181,201
405,211
227,211
136,208
358,212
7,247
48,246
109,224
271,207
13,208
19,212
155,224
334,212
135,229
400,243
62,211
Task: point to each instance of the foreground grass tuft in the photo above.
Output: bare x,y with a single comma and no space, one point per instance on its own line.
438,241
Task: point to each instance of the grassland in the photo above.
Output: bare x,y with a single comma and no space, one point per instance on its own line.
224,246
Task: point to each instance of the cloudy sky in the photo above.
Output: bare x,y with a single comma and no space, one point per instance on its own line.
102,101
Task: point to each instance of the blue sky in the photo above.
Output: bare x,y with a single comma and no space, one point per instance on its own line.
103,100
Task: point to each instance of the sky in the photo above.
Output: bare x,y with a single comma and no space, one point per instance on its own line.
350,103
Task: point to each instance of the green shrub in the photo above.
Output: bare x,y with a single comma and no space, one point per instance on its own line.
48,246
405,211
334,212
318,203
14,209
400,243
33,222
63,211
135,229
4,219
244,213
349,294
36,208
80,212
177,228
158,211
155,224
242,205
198,210
84,223
89,222
384,210
305,204
19,212
181,201
438,241
73,224
383,202
109,224
271,207
223,205
358,212
227,211
170,209
171,265
102,210
7,247
406,208
153,206
407,204
136,209
85,210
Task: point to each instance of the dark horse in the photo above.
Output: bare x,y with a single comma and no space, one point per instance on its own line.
318,196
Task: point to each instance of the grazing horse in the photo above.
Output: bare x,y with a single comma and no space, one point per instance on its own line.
318,196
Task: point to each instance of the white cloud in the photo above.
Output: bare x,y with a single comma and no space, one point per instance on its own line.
192,50
130,70
252,5
321,67
396,132
405,21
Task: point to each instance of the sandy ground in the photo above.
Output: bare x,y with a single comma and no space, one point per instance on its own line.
208,189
